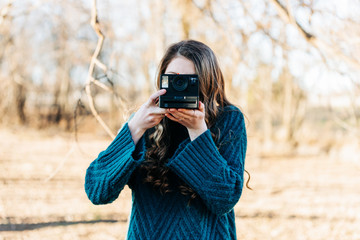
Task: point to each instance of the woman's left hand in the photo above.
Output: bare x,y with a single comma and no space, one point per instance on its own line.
192,119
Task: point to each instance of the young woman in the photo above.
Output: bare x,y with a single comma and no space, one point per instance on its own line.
185,167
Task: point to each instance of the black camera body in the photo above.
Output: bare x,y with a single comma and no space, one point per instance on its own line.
182,91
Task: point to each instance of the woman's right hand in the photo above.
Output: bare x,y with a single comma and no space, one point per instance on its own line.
148,116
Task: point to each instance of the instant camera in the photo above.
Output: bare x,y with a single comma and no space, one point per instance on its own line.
182,91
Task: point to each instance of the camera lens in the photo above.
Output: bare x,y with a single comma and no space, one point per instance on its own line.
180,83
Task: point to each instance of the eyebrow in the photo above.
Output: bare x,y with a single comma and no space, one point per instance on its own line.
173,72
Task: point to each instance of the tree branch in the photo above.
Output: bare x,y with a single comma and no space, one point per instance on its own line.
311,38
103,86
94,61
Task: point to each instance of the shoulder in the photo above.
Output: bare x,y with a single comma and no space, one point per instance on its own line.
229,127
230,115
230,121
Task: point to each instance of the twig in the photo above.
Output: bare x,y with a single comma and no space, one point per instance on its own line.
68,154
103,86
100,65
94,61
311,38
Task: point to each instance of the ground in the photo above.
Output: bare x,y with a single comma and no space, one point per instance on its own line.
42,193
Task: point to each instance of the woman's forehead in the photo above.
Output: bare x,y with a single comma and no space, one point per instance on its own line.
180,65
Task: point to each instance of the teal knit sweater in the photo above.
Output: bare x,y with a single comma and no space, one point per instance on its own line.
214,170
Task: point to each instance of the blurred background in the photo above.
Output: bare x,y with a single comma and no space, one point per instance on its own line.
72,72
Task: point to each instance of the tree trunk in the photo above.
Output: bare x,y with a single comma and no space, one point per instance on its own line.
62,87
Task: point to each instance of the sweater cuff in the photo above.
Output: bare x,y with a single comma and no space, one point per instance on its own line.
200,161
122,145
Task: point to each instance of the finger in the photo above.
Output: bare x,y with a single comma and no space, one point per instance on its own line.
201,107
158,116
155,119
153,97
188,112
178,115
158,111
158,120
168,115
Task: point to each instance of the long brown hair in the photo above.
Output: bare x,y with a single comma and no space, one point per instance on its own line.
211,93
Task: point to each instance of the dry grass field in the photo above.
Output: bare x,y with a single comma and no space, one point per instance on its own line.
42,194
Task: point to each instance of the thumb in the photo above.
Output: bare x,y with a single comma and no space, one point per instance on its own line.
155,96
201,107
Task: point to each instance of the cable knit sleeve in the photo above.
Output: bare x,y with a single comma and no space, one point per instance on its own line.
111,170
216,172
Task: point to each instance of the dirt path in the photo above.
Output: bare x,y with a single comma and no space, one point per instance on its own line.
302,198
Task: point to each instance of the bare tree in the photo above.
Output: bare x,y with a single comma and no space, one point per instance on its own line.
255,43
